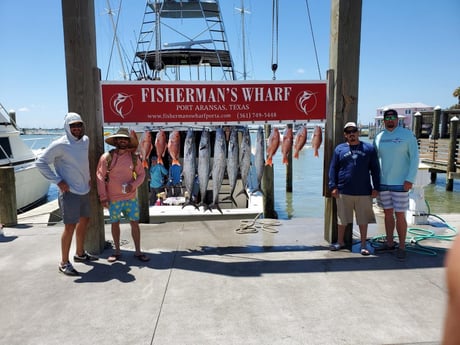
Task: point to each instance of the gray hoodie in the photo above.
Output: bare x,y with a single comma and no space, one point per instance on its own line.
66,159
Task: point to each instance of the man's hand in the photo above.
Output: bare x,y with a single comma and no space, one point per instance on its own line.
407,186
63,186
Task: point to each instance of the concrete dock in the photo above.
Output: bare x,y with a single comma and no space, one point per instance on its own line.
208,283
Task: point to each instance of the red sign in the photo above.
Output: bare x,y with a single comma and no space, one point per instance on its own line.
215,103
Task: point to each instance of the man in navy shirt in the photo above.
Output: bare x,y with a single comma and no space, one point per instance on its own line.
354,164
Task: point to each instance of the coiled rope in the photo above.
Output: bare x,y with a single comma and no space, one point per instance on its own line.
251,226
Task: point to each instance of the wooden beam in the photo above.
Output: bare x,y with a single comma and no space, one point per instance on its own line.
345,39
83,95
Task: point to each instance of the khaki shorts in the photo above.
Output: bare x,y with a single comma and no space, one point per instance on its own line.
360,204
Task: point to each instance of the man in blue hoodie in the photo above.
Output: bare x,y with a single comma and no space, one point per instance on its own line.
397,150
354,179
66,163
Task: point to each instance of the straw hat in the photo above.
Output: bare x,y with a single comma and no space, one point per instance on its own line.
123,133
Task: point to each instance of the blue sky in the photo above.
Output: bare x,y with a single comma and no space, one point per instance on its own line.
409,50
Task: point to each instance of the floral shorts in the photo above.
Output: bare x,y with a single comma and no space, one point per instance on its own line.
129,209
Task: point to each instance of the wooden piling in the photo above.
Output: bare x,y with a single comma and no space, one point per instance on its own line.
143,197
417,130
268,186
83,95
289,168
436,120
8,205
344,60
451,164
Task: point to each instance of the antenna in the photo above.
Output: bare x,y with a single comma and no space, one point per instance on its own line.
242,10
111,13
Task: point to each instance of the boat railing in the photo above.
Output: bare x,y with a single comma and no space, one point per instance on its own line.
9,116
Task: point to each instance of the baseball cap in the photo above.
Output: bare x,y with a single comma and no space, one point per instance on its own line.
73,118
350,124
390,112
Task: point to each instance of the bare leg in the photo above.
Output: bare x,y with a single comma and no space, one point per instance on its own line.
80,235
452,319
389,225
116,237
136,234
66,241
401,228
363,233
341,234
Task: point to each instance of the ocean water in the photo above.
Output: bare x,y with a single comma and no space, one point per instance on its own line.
306,199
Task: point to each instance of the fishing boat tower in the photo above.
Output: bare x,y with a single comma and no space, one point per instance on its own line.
182,40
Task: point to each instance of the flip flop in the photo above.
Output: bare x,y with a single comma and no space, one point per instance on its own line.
142,257
114,257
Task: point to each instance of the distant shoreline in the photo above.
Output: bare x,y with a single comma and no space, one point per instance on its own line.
42,131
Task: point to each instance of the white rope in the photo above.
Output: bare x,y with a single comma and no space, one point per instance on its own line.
255,225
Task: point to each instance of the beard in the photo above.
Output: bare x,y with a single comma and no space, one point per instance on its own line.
122,145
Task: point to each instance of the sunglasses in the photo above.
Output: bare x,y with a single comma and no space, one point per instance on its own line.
76,125
391,117
349,131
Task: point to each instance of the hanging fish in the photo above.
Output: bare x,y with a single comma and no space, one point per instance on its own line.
232,163
317,140
189,169
133,142
259,161
300,140
146,147
286,145
174,146
160,145
245,160
272,146
218,167
204,155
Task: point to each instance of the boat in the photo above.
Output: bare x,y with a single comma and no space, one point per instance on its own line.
31,187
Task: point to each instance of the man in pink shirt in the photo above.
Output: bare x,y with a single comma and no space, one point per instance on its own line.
119,174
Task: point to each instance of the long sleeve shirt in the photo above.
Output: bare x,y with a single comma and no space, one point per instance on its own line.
66,159
398,155
353,168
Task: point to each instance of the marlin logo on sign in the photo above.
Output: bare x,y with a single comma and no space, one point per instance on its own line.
306,101
121,104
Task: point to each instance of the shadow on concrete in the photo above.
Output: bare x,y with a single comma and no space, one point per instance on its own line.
244,262
4,238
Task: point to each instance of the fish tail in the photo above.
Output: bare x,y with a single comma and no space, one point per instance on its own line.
285,160
145,164
230,197
243,191
217,207
316,154
296,154
175,161
205,207
269,161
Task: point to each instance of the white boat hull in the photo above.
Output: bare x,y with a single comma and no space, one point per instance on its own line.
31,187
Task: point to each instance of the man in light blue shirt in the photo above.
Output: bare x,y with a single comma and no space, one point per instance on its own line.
397,151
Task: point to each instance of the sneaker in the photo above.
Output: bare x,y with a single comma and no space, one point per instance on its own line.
68,269
401,254
85,257
336,246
